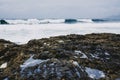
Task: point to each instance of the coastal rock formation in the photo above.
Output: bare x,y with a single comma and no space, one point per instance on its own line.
70,21
3,22
70,57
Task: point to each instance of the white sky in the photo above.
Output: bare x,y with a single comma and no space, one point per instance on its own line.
59,8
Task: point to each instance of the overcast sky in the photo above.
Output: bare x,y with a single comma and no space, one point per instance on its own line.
59,8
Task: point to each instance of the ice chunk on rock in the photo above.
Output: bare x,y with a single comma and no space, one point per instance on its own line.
4,65
94,73
31,62
6,79
83,54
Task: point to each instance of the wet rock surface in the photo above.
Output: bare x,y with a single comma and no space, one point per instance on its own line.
3,22
70,57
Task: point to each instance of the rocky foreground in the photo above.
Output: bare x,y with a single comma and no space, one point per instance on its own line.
71,57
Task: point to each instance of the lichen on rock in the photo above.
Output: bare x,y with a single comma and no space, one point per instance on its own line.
70,57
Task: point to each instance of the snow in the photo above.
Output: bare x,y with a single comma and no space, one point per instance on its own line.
5,45
31,62
95,56
107,54
22,33
6,79
77,52
4,65
83,54
61,41
75,63
37,70
94,73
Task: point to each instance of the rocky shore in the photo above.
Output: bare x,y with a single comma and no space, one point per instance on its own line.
70,57
3,22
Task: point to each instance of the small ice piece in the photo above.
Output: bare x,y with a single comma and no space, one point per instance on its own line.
29,74
77,72
75,63
37,70
31,62
77,52
94,73
83,54
45,73
107,54
61,41
6,79
94,56
5,45
4,65
75,57
52,64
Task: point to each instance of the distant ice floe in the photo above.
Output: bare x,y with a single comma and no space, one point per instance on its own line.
51,21
28,21
4,65
31,62
36,21
16,21
85,20
94,73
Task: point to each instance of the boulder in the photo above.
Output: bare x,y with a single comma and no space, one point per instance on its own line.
3,22
70,20
62,57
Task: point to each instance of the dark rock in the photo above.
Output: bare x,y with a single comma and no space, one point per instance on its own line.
70,20
3,22
67,57
98,20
